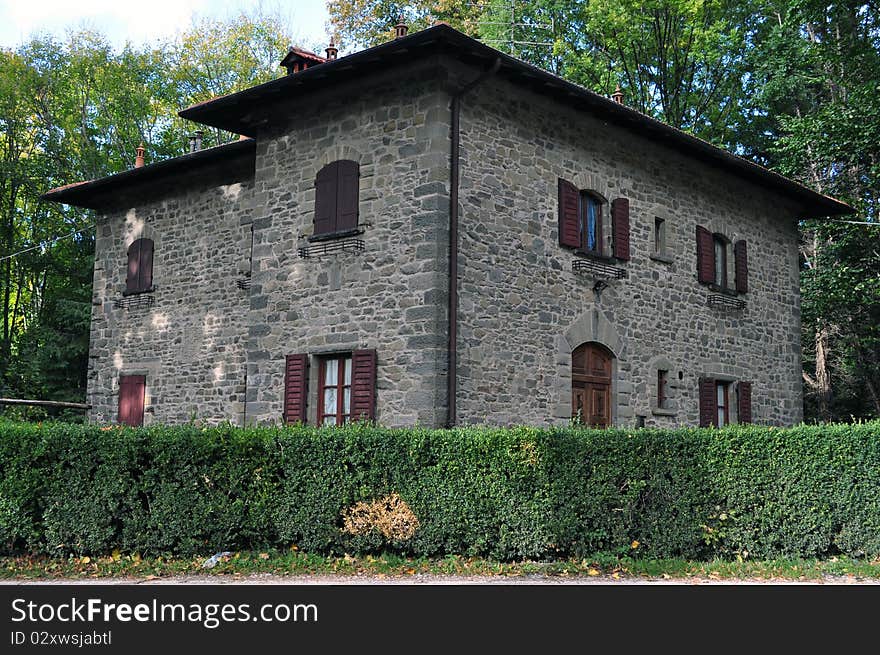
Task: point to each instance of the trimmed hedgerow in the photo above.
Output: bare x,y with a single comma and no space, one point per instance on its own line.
504,493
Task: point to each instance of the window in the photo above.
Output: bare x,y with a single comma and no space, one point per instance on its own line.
713,261
131,399
659,236
722,403
334,391
720,247
590,214
662,388
140,267
346,387
582,218
336,199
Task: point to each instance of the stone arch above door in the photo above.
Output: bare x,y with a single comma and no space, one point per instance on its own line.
591,326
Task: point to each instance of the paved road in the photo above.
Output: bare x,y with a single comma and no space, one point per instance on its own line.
269,579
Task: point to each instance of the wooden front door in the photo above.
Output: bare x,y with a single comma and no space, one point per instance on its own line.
591,385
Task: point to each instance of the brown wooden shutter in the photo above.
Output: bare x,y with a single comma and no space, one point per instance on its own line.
140,266
741,266
347,195
296,385
131,399
705,256
132,279
569,224
708,407
620,227
326,182
363,385
145,270
744,402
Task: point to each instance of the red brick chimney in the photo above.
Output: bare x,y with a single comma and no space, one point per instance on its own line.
139,159
617,96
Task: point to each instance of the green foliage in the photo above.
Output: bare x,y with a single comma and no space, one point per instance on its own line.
509,494
76,110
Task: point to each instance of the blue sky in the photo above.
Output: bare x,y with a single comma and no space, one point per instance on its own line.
145,21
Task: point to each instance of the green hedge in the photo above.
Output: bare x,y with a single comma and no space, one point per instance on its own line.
809,491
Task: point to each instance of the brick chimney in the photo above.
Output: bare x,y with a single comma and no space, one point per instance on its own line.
400,29
331,50
139,159
618,95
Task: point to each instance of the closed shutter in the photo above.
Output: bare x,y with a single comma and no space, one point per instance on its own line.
325,199
569,227
705,256
744,402
131,399
620,227
140,266
363,385
145,274
296,384
741,266
132,279
708,407
347,196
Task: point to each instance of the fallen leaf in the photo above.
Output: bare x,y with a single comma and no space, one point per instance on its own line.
264,555
634,544
592,571
85,560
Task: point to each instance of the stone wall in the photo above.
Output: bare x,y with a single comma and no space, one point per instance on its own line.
205,344
523,309
392,296
190,342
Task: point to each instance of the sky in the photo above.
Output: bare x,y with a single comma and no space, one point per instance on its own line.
145,21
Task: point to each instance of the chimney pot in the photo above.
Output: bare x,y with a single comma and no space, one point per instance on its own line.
199,135
400,29
331,50
617,96
139,159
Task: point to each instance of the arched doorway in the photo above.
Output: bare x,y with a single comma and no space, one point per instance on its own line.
591,384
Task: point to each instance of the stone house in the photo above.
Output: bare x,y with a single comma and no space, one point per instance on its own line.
433,205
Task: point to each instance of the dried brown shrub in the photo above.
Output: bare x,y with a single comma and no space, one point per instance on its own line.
390,515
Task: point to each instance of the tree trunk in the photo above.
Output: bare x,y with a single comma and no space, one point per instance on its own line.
822,377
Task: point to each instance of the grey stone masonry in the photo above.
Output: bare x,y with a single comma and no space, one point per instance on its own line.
392,296
233,296
189,341
523,308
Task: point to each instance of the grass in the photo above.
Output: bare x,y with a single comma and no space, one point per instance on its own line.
293,562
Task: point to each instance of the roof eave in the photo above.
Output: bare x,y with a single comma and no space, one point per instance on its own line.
89,194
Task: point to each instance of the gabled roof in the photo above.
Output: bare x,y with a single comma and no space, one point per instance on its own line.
227,163
237,112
